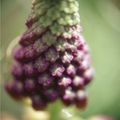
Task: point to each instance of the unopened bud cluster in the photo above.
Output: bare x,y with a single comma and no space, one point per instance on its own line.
53,60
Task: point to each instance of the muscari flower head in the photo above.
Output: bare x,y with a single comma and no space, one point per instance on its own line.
52,60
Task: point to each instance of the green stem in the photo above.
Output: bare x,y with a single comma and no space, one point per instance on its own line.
58,111
54,110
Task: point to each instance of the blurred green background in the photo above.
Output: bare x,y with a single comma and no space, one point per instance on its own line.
100,20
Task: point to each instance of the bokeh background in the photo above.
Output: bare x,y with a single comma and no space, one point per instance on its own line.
100,20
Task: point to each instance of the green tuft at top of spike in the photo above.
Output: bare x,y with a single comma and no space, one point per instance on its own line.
55,14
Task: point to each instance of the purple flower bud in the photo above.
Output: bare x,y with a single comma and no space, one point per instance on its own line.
41,65
69,47
38,103
87,57
51,95
69,97
75,36
29,85
28,38
81,99
45,80
19,54
64,82
40,46
71,70
78,56
15,89
78,82
82,39
60,45
84,65
86,49
79,45
67,58
57,70
39,31
30,21
29,70
88,75
17,71
52,55
29,52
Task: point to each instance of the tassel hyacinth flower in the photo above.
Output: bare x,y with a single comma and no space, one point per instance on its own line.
53,60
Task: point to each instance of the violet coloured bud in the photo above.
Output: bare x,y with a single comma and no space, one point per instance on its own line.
38,103
82,39
75,36
59,45
69,97
69,47
67,58
29,53
45,80
28,38
86,49
81,99
57,70
51,55
84,65
9,86
29,85
41,64
29,70
79,45
30,21
78,82
79,56
71,70
17,71
51,95
64,82
39,47
15,89
19,54
88,75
